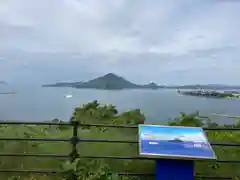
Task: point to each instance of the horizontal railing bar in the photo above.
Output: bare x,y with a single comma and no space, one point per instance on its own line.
99,125
225,144
151,174
98,141
64,123
124,126
228,161
135,174
221,129
35,123
31,171
146,158
212,177
129,141
109,125
117,157
99,157
36,139
196,177
34,155
107,141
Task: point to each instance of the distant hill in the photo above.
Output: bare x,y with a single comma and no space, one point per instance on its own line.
3,82
109,81
63,84
152,86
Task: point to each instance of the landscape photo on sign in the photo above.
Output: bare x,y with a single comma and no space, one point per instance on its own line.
182,142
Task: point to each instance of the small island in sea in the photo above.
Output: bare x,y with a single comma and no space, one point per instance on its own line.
7,93
224,87
175,140
3,82
109,81
211,94
4,92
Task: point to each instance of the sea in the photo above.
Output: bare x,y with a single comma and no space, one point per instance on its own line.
185,148
36,103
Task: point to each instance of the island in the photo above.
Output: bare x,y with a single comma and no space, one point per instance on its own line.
109,81
63,84
7,93
210,94
175,140
3,82
206,86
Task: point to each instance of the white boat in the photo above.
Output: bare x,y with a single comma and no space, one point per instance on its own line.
68,96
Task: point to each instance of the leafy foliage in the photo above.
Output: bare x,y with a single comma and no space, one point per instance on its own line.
94,112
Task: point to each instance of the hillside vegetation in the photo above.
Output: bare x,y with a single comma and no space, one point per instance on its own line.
95,169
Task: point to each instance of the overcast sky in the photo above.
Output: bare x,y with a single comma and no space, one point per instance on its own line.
166,41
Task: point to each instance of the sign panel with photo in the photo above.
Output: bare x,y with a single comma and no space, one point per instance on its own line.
175,142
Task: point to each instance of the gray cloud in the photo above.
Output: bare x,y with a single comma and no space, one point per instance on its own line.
164,41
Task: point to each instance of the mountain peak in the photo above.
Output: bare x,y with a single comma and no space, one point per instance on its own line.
152,83
111,75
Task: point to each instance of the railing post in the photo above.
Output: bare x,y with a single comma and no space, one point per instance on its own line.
74,153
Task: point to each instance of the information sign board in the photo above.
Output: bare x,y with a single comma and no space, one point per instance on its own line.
175,142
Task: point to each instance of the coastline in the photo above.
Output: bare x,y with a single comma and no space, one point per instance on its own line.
210,94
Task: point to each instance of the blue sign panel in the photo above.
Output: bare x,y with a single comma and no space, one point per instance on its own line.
175,142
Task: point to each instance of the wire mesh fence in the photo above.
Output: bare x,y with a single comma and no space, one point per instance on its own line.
75,140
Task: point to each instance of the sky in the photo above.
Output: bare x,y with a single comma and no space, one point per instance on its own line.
168,42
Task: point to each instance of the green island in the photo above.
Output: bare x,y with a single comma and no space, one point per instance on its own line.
109,81
8,93
105,169
3,82
211,94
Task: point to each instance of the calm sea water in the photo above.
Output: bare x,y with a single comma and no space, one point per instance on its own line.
38,103
185,148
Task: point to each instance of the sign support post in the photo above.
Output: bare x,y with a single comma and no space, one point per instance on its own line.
174,169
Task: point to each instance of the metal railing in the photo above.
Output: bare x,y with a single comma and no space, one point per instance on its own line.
75,139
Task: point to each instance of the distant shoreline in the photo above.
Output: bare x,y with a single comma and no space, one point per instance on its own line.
210,94
7,93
